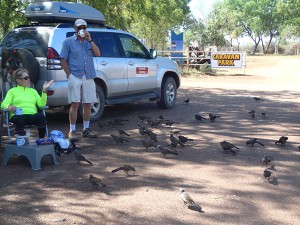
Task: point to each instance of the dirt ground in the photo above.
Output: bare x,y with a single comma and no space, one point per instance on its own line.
230,188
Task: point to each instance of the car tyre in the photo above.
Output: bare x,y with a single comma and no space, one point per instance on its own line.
168,93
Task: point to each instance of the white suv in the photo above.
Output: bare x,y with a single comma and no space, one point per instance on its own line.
126,70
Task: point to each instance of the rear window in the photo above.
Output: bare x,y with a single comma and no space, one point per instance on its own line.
36,41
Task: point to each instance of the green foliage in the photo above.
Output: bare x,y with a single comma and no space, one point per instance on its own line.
11,12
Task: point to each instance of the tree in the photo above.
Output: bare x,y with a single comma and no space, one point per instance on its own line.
11,12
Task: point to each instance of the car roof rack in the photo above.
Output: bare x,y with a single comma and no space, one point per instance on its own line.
63,25
62,12
90,25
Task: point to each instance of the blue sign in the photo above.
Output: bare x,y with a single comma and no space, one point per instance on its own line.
177,45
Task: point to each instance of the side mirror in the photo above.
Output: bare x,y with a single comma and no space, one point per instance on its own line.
153,53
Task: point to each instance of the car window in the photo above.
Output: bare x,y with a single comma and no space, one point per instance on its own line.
132,47
107,44
31,39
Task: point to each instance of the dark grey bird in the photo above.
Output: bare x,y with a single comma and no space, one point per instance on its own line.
252,141
153,136
96,182
119,139
265,160
184,139
198,117
175,140
144,130
299,148
227,146
155,123
267,174
126,168
142,118
161,117
213,117
186,101
80,157
170,123
263,114
123,132
258,99
282,140
252,114
147,144
166,151
188,201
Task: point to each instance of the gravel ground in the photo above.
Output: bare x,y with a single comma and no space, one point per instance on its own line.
230,188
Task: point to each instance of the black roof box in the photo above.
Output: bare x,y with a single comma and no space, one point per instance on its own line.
62,12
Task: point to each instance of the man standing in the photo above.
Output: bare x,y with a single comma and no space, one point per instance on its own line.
77,61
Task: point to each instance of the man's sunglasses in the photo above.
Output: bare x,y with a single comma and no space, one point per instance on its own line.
81,28
24,78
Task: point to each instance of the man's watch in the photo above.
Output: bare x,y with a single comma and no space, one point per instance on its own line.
91,41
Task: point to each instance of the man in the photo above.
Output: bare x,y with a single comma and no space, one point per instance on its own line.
77,61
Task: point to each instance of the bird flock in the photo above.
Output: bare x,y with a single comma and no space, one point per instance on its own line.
149,139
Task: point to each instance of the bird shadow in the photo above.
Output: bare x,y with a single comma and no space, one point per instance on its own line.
194,208
274,181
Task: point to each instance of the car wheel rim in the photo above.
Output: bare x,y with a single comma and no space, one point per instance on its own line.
95,106
170,93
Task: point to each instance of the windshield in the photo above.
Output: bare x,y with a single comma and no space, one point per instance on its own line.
36,41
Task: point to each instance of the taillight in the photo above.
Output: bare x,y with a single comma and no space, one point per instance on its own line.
50,92
53,60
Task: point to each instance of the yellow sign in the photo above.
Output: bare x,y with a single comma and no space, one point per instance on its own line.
227,59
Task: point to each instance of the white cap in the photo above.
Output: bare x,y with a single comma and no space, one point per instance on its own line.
80,22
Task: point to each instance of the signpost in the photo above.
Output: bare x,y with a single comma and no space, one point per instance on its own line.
228,59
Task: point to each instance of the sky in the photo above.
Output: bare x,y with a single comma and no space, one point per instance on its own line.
201,8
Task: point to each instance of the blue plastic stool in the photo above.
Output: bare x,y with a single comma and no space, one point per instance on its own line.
32,152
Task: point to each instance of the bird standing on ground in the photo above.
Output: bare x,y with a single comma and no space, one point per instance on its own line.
299,148
175,140
258,99
282,140
188,201
267,174
263,115
123,132
125,168
265,160
252,114
119,139
166,151
96,182
184,139
252,141
186,101
80,157
161,117
170,123
198,117
153,136
213,117
227,146
142,118
147,144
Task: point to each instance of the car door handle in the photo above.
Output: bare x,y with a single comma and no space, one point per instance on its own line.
130,63
103,63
